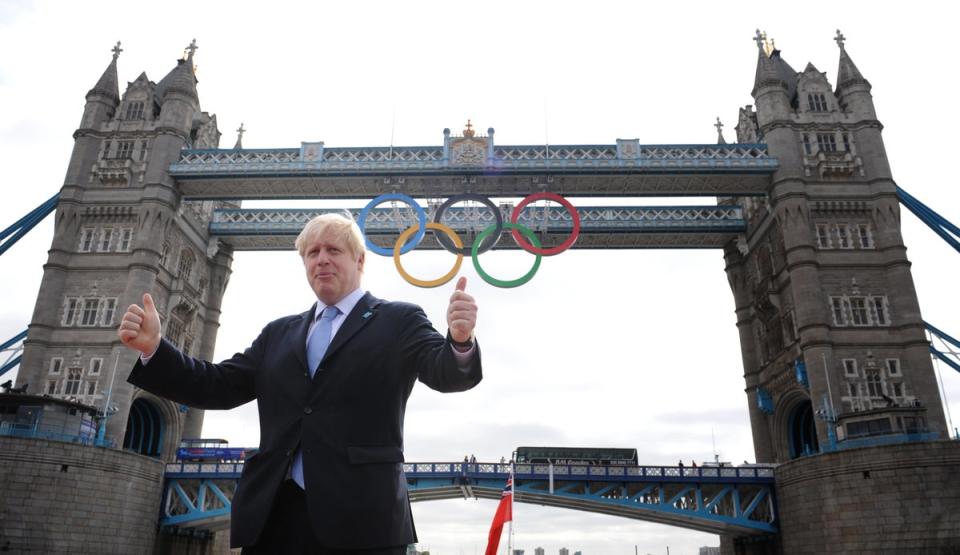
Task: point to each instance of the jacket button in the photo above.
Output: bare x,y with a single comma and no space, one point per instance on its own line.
307,410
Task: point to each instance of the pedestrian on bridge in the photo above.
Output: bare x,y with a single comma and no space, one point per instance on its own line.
331,385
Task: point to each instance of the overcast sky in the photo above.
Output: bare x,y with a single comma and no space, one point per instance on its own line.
626,348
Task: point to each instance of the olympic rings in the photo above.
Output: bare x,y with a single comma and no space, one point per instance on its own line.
537,250
445,242
485,241
421,217
439,281
500,283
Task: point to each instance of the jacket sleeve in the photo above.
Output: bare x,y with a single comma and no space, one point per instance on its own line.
197,383
431,356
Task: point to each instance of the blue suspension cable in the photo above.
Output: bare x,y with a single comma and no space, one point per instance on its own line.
13,233
11,362
951,362
940,225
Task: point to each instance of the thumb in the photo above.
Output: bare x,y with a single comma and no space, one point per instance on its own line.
462,283
148,304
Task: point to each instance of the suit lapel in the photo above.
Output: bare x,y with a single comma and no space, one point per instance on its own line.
300,335
364,311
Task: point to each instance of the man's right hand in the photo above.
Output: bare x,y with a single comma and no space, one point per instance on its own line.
140,327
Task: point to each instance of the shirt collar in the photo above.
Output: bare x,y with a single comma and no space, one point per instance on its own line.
345,304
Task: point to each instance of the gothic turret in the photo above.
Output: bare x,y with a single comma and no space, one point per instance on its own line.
774,84
177,95
103,98
853,90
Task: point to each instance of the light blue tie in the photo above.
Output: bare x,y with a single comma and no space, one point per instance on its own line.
320,338
316,348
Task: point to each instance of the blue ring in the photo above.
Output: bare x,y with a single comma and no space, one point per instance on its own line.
413,242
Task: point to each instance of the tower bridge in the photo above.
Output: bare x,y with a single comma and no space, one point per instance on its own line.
807,216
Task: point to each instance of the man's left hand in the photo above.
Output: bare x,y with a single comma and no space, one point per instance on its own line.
462,313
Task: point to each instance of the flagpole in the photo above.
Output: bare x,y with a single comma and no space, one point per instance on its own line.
513,493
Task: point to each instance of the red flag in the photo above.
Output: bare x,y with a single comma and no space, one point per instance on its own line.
504,514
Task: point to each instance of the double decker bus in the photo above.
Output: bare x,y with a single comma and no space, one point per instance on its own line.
209,450
577,455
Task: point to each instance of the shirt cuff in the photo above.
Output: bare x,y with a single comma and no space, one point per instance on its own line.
464,358
145,359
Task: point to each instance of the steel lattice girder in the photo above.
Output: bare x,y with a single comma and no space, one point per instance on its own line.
203,503
314,171
622,227
718,508
709,499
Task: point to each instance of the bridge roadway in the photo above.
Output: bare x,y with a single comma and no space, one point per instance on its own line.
716,500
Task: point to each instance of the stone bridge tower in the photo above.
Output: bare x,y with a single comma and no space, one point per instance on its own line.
834,347
839,379
121,229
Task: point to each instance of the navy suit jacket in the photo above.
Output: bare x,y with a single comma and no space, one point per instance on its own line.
348,419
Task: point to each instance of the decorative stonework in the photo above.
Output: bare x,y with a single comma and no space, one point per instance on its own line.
468,151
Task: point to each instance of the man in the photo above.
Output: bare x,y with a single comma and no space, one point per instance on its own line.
331,386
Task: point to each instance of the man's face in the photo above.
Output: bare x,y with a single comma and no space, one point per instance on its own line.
332,270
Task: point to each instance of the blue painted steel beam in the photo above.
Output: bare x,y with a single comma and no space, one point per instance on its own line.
14,359
940,355
940,225
16,338
942,334
705,498
946,338
10,365
18,229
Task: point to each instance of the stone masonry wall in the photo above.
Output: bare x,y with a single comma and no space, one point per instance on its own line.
894,499
64,498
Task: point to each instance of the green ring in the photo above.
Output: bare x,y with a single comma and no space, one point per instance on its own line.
497,282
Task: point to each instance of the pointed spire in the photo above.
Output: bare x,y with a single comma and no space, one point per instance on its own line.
107,85
181,78
240,133
719,126
766,67
847,74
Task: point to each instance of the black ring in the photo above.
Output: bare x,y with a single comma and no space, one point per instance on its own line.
487,243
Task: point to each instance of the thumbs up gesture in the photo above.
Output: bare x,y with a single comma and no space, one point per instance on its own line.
140,327
462,313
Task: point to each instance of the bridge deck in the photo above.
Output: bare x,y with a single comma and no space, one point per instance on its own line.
710,499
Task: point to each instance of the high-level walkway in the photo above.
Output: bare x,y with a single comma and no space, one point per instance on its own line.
478,167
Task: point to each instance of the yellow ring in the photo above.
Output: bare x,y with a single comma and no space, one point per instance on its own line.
419,282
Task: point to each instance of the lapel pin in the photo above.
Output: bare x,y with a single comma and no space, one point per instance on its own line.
367,314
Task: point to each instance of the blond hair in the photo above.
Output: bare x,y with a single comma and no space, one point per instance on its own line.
339,225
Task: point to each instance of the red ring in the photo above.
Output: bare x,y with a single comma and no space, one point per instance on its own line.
522,242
